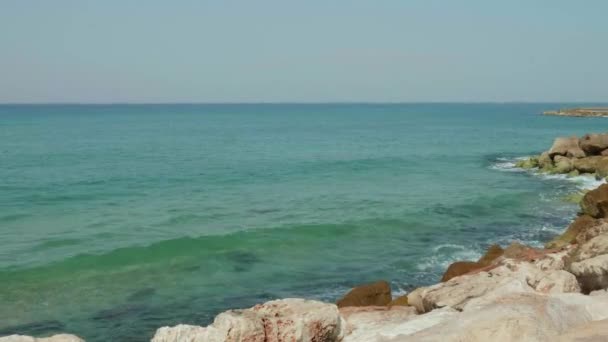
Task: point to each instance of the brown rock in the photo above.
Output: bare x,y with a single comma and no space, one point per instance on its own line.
459,268
600,227
594,144
544,161
521,252
563,164
595,202
578,226
375,294
494,252
566,146
601,168
587,164
399,301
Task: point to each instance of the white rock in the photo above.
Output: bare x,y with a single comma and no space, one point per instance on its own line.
592,274
280,320
556,282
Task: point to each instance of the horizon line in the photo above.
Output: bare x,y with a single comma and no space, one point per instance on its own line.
74,103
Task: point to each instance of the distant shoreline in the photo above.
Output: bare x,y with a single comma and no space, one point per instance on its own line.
580,112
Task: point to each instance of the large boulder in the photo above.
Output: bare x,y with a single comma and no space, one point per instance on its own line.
590,264
594,144
514,317
369,322
376,294
578,226
595,202
587,164
54,338
274,321
566,146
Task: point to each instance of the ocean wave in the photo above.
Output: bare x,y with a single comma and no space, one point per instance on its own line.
445,255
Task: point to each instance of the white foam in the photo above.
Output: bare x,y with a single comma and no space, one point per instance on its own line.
447,254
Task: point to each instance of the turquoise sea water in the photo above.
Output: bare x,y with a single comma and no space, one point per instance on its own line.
116,220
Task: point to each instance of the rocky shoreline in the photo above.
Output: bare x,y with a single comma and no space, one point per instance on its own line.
580,112
515,293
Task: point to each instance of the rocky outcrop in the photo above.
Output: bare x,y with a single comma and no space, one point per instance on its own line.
594,144
376,294
576,228
595,202
274,321
459,268
566,146
54,338
579,112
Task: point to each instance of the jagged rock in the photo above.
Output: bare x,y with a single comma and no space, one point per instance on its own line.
566,146
578,226
376,294
600,226
590,264
54,338
595,202
594,144
274,321
587,164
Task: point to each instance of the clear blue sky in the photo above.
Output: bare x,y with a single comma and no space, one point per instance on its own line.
303,51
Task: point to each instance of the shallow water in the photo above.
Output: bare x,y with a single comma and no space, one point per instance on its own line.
116,220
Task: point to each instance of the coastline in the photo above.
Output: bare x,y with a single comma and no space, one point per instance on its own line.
579,112
516,292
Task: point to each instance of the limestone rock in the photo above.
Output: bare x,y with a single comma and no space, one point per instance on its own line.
566,146
594,144
595,202
513,317
593,331
592,274
578,226
600,226
54,338
274,321
376,294
556,282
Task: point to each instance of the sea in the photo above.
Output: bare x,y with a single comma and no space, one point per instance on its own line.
116,220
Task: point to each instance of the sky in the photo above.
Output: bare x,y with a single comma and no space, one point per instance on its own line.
131,51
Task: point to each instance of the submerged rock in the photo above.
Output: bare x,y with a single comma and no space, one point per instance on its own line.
54,338
375,294
274,321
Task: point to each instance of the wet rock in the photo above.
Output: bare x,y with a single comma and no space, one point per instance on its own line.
545,161
376,294
578,226
563,164
459,268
